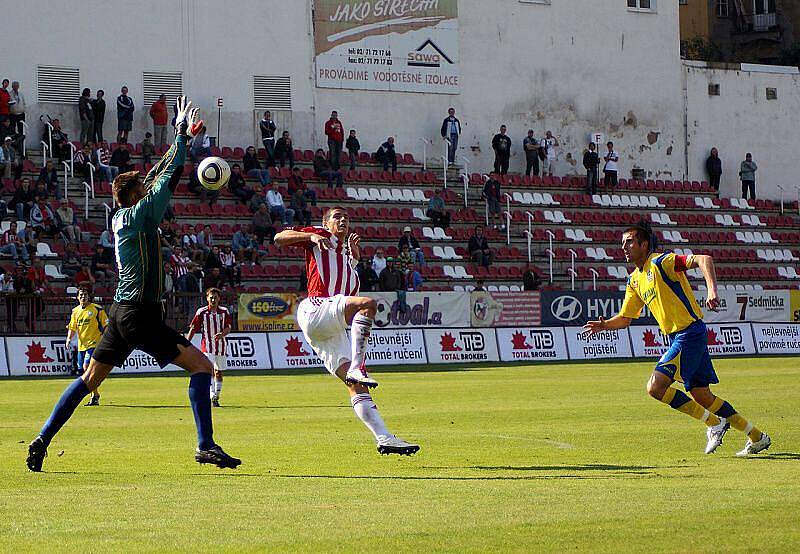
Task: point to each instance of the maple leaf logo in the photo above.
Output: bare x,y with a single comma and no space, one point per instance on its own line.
518,340
650,339
37,354
448,343
712,338
294,348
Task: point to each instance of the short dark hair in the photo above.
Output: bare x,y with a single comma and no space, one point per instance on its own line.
214,290
84,288
644,233
330,210
122,187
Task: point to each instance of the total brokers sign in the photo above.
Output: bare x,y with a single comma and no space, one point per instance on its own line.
450,346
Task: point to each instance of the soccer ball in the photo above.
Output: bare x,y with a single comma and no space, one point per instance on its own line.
213,173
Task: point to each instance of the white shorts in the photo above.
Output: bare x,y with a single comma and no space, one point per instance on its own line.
323,324
220,362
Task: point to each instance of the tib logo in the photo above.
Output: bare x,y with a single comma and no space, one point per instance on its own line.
536,340
731,335
467,341
241,347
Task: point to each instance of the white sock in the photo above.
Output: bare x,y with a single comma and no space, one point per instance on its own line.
217,387
367,411
359,340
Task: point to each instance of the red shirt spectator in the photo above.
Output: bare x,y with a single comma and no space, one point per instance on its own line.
296,182
5,98
84,276
37,277
334,130
159,112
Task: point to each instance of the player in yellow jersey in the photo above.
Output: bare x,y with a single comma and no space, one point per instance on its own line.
87,321
659,282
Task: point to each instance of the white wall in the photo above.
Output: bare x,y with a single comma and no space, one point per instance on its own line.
742,120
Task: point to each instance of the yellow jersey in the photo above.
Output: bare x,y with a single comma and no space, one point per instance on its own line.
88,323
662,286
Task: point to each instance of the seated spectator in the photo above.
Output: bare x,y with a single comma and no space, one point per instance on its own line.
284,150
323,169
213,259
478,248
277,208
531,279
378,261
230,267
180,269
244,245
213,279
258,198
366,275
189,244
414,279
386,154
84,276
49,176
12,245
262,225
169,282
169,240
296,181
205,240
353,148
107,241
391,279
197,188
238,186
102,159
252,167
81,161
302,214
417,256
404,261
200,145
8,158
68,222
493,196
61,148
43,219
103,267
436,210
41,192
121,158
22,201
148,148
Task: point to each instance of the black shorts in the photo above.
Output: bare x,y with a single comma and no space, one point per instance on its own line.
132,326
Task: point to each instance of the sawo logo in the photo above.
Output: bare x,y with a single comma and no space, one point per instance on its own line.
428,55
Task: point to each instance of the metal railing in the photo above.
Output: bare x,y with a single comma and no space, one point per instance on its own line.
444,171
66,179
425,143
24,142
465,181
87,190
45,150
595,275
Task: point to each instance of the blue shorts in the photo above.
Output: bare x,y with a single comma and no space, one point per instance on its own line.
687,360
83,359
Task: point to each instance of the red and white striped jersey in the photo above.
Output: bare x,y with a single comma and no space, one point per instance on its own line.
329,272
227,258
208,323
179,265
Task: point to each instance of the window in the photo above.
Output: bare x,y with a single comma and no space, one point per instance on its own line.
642,5
156,83
763,6
772,93
723,8
683,2
535,2
713,89
58,85
272,92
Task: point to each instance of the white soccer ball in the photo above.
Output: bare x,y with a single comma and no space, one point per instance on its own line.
213,173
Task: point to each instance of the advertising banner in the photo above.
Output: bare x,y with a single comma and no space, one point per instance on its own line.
794,314
518,344
648,341
449,346
424,309
3,360
575,308
291,351
37,355
396,346
505,309
268,312
752,305
409,45
730,339
605,344
776,338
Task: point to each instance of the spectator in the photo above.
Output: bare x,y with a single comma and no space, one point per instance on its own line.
5,99
61,149
262,225
244,245
38,278
168,239
125,110
197,188
479,286
436,210
84,277
366,275
531,147
257,199
591,161
102,158
5,158
86,115
99,111
335,133
238,186
23,198
300,207
159,113
107,241
180,269
531,279
610,168
169,282
252,167
205,240
43,219
41,192
213,279
414,279
268,128
7,289
213,259
378,261
277,208
16,108
478,248
70,261
230,268
404,261
353,148
747,173
68,222
148,148
408,239
201,145
390,279
296,182
451,131
49,176
6,130
12,157
387,155
189,244
284,150
323,169
37,284
12,245
121,158
493,195
501,144
103,267
81,161
714,169
549,144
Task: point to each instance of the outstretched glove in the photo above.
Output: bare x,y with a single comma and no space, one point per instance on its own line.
186,122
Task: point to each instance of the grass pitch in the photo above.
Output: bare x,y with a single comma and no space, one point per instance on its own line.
523,458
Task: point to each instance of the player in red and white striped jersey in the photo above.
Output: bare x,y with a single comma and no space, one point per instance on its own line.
213,322
332,254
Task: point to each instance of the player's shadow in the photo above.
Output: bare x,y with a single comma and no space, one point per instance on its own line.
462,477
778,456
226,407
576,467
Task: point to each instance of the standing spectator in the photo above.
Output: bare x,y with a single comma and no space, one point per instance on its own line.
61,149
284,150
378,261
387,154
493,195
501,144
230,268
296,182
451,130
268,128
68,221
16,108
121,158
531,147
103,264
86,114
531,279
125,109
102,157
591,161
159,113
436,210
277,208
22,201
11,245
611,167
299,204
714,168
366,275
70,261
238,186
252,167
201,145
335,133
5,99
747,173
408,239
478,248
549,144
353,148
414,279
49,176
6,130
148,148
262,225
99,110
323,168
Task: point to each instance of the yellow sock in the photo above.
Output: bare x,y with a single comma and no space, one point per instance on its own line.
721,408
679,401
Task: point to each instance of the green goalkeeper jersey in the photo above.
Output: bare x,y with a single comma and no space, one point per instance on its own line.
137,241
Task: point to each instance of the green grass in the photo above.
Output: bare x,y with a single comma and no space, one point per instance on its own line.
523,458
